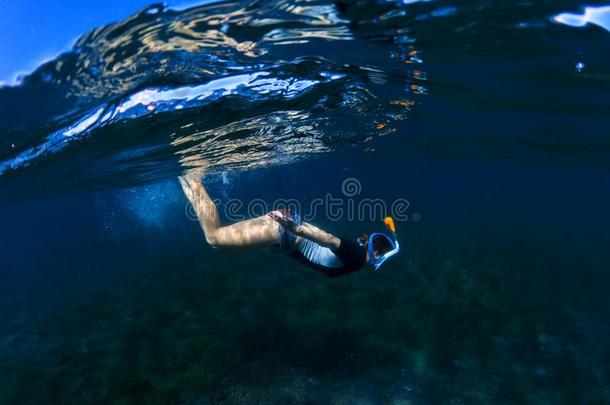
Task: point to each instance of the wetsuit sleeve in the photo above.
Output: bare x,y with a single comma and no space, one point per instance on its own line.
352,255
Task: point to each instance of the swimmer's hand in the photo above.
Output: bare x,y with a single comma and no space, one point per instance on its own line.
307,231
287,223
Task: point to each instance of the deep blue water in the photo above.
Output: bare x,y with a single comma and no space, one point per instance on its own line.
490,119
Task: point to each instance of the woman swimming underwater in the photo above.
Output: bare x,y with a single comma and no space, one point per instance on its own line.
283,231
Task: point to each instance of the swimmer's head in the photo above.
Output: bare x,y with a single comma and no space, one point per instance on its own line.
380,246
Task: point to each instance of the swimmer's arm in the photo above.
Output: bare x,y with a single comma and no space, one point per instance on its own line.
315,234
307,231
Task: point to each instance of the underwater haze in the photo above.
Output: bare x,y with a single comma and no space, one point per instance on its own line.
481,126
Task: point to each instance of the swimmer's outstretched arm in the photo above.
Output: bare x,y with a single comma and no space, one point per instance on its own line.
315,234
256,232
307,231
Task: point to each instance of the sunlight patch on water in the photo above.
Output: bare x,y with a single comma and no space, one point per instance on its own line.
160,97
599,16
84,124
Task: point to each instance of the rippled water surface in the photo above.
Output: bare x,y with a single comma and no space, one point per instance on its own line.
247,84
490,117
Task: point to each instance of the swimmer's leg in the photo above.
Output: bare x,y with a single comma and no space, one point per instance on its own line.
204,207
257,232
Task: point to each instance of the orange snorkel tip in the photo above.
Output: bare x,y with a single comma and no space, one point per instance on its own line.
389,222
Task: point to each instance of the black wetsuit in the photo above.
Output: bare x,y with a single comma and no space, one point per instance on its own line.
347,258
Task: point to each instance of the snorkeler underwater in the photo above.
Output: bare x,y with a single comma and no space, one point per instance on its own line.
304,202
284,230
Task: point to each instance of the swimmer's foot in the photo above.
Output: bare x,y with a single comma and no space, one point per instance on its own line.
191,182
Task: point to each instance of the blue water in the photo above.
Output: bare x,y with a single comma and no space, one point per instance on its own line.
490,120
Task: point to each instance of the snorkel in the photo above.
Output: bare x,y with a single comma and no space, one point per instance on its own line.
376,262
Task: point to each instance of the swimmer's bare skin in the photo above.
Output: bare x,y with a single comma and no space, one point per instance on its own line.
307,231
257,232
